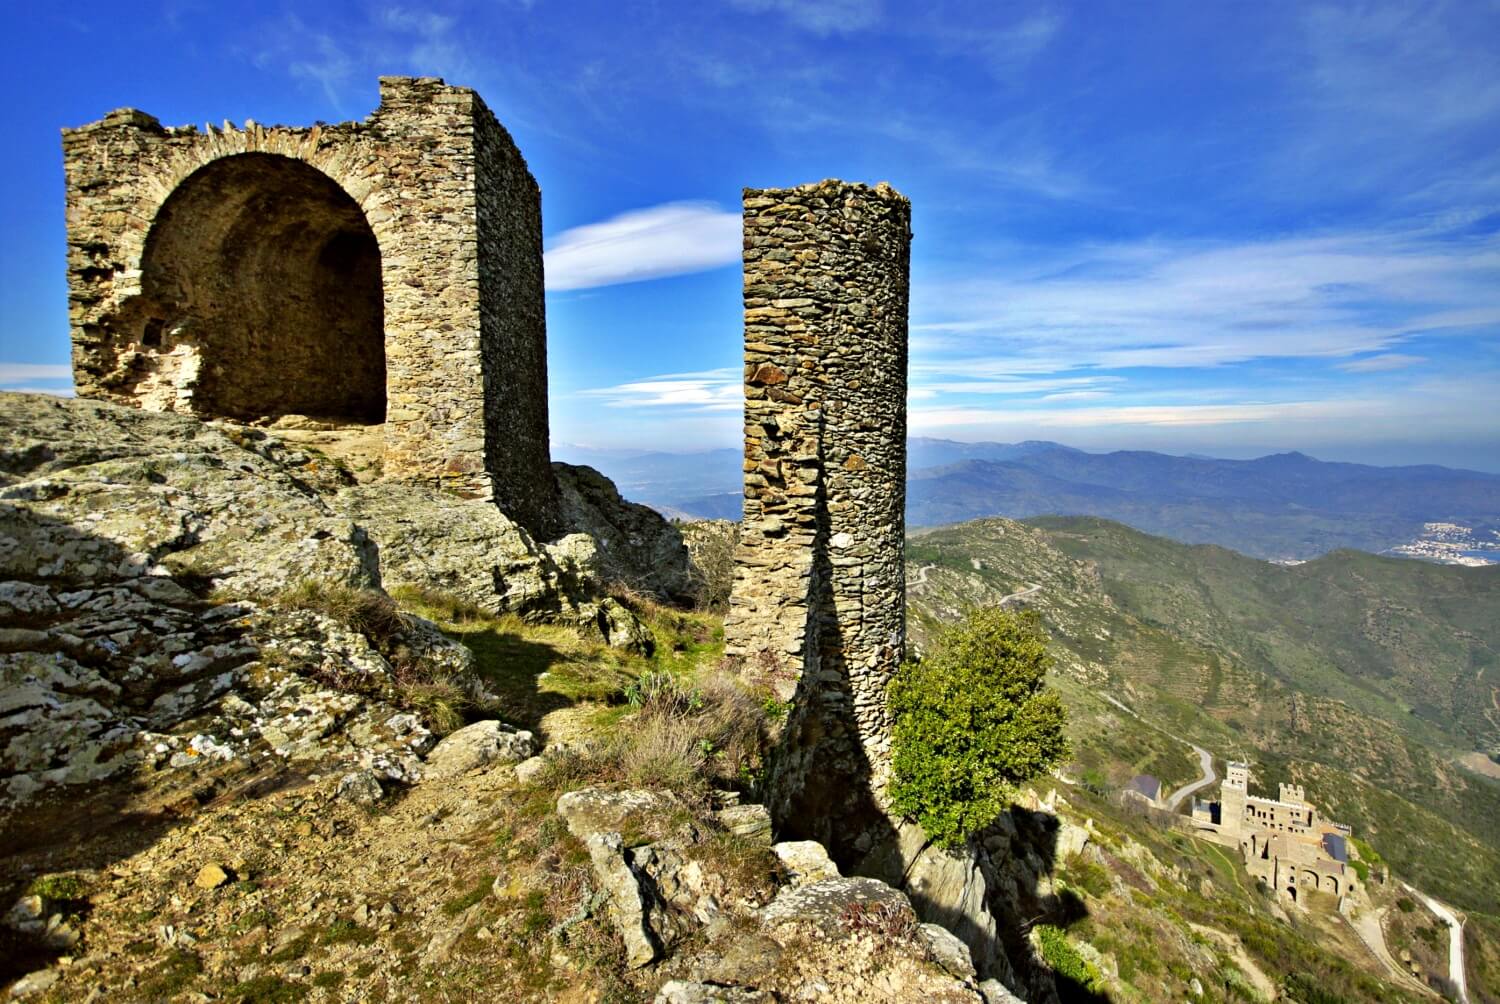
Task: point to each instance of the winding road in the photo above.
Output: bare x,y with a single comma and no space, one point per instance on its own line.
1455,942
1206,764
1020,595
1205,758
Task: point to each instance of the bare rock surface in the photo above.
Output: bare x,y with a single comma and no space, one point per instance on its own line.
141,555
479,745
636,546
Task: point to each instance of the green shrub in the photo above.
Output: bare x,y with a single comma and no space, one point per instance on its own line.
1063,959
973,720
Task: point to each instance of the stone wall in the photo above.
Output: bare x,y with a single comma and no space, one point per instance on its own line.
818,604
385,269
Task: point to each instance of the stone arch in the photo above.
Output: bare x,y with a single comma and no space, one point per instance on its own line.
261,295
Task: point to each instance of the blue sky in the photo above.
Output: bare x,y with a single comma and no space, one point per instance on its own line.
1227,228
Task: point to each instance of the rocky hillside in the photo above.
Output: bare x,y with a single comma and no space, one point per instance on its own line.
272,729
1145,669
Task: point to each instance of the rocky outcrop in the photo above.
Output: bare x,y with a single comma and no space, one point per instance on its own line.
470,550
637,548
143,558
820,937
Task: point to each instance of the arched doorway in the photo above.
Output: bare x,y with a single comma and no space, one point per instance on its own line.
262,278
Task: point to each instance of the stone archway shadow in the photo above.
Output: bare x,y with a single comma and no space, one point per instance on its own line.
261,296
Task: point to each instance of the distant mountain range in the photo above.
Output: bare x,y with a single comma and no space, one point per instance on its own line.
1284,506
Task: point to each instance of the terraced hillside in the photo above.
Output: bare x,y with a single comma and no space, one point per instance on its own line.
1200,642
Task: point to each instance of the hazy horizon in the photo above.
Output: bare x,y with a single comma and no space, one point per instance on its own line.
1221,230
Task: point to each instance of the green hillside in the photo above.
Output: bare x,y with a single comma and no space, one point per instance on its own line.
1328,672
1415,643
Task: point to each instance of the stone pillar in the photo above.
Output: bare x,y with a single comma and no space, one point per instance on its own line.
818,609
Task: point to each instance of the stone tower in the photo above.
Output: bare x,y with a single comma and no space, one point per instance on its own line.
818,608
1232,795
385,271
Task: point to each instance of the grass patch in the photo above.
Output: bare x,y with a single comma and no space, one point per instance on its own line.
293,950
265,990
1065,962
344,931
172,975
463,901
59,888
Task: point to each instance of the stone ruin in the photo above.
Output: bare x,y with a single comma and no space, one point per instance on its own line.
818,605
385,271
389,273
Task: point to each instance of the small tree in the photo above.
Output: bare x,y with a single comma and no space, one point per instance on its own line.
972,721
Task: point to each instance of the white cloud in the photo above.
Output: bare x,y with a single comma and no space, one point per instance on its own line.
821,17
1381,363
1451,410
671,239
711,390
17,372
1020,385
1195,305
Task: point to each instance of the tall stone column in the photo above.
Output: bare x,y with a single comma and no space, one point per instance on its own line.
818,609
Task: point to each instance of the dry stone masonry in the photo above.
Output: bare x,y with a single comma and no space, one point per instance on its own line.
388,270
818,601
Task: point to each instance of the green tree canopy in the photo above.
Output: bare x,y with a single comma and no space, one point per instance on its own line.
973,720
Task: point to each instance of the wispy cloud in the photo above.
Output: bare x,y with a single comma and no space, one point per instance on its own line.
711,390
671,239
390,39
1157,304
821,17
18,372
1381,363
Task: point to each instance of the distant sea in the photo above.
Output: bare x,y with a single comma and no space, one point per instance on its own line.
1493,557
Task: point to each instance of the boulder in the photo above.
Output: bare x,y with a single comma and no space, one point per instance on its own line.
948,951
805,861
479,745
470,550
619,627
751,822
587,811
685,992
947,888
628,902
361,787
823,904
995,992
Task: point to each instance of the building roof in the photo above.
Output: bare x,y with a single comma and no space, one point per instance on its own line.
1336,847
1145,784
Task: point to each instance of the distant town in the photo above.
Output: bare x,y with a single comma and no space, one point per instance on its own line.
1453,544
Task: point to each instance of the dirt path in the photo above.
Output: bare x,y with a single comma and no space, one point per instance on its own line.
1021,595
1370,926
1231,944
